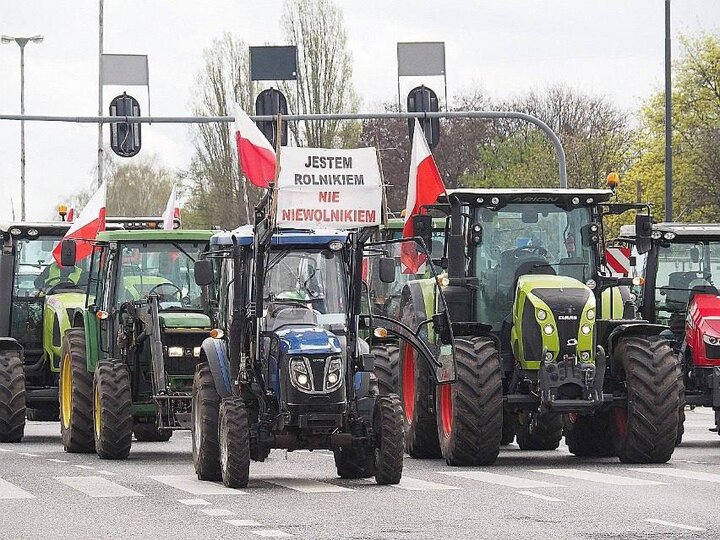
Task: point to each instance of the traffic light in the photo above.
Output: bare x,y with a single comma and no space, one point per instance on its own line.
424,99
125,139
271,102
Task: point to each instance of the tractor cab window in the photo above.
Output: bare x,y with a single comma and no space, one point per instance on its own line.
310,281
521,239
162,268
683,266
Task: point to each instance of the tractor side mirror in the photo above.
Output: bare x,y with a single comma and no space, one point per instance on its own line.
423,228
68,253
387,269
695,254
643,233
590,234
204,272
441,324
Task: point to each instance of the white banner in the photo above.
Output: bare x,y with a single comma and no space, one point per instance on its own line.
320,188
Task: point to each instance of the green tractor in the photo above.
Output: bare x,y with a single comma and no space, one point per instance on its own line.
128,360
544,344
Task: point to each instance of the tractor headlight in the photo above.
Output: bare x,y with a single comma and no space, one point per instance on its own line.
333,377
585,329
32,233
590,314
299,374
15,231
175,352
711,340
548,329
196,352
335,245
669,236
656,235
590,284
541,314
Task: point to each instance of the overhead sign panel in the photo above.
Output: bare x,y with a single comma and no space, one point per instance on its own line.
321,188
421,58
125,69
273,63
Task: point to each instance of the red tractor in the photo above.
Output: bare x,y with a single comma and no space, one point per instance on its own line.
682,271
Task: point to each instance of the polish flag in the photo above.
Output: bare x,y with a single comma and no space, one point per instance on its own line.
171,210
86,226
425,185
256,154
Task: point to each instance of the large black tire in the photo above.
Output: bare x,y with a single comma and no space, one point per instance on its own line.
388,427
539,431
76,394
509,427
12,397
416,391
646,431
112,410
234,443
44,413
356,462
470,411
149,433
205,414
681,410
589,436
387,368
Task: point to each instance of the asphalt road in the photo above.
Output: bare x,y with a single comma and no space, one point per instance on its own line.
46,493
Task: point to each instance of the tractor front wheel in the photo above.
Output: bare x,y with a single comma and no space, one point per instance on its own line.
234,443
113,420
205,414
646,429
76,394
539,430
388,427
470,410
387,368
12,397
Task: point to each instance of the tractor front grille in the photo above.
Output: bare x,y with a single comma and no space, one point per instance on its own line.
712,351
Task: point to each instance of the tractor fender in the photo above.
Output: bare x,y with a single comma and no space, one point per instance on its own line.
11,344
214,351
639,328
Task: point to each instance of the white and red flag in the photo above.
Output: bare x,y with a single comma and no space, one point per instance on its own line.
171,211
425,185
86,226
256,154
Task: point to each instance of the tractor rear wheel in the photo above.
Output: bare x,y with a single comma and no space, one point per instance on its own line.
76,394
388,427
234,443
354,462
387,368
150,433
112,412
509,427
589,436
12,397
539,430
470,410
205,413
646,430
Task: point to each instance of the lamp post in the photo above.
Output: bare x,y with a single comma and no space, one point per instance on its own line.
668,117
22,41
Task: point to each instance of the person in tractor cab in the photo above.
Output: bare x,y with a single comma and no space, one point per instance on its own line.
54,274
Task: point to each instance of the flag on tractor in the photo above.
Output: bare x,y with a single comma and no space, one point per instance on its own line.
425,185
86,226
171,211
256,154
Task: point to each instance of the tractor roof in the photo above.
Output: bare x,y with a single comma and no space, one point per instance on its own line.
31,230
564,197
244,236
151,235
683,231
399,223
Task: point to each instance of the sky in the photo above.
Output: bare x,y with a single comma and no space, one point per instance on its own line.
612,48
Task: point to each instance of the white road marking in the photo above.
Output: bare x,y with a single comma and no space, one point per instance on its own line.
540,496
6,450
502,479
680,473
306,485
58,460
190,484
676,525
86,467
217,512
107,473
27,454
272,533
413,484
193,502
11,491
95,486
243,523
601,478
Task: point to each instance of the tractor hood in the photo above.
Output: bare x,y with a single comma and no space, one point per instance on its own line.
705,313
310,340
179,319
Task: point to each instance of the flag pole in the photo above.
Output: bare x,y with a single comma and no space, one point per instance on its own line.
274,186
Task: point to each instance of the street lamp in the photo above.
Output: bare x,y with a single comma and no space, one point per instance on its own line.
22,41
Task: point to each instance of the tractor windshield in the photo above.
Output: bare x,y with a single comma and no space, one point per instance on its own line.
314,278
522,239
162,268
681,267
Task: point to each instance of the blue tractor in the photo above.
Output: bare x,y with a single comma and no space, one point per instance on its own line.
286,366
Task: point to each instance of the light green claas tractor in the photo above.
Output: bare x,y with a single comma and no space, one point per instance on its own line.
129,358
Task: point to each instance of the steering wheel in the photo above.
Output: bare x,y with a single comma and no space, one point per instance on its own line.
177,291
521,252
61,285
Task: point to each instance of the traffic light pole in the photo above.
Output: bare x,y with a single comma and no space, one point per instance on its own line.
483,115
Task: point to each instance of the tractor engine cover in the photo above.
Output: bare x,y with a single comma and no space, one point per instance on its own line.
702,330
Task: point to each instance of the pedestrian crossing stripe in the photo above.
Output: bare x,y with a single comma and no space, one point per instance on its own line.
97,487
189,483
679,473
11,491
515,482
601,478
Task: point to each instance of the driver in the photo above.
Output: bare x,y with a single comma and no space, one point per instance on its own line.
53,274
